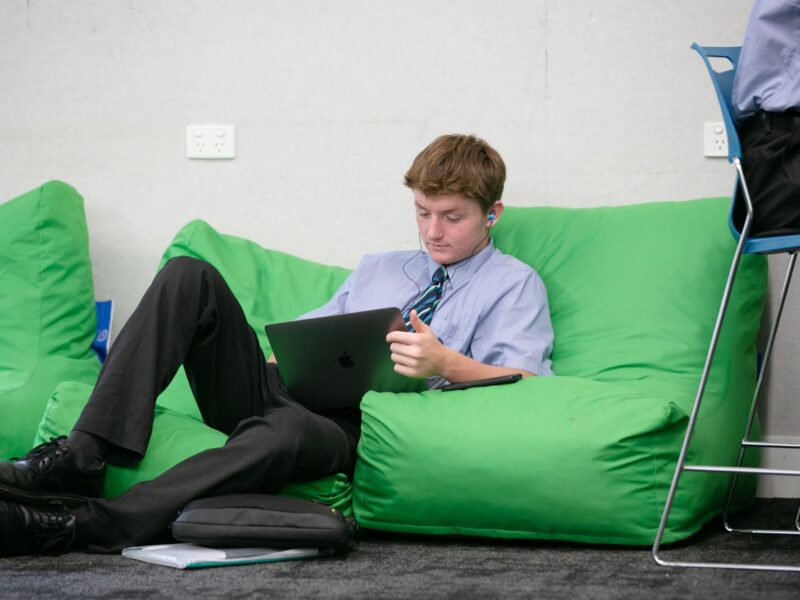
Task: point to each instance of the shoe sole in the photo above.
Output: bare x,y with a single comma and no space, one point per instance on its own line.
40,498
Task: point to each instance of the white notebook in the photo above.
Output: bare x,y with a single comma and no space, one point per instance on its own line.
190,556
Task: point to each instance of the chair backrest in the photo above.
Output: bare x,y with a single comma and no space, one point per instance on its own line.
723,85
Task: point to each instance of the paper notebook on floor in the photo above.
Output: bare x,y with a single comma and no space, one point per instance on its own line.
190,556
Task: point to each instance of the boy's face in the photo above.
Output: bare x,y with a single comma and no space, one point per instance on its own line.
451,226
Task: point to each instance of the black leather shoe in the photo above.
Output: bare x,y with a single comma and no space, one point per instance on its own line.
30,529
51,468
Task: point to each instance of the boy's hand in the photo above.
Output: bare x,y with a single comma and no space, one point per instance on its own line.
419,354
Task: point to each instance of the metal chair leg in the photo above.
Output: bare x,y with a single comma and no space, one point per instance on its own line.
746,442
681,465
698,398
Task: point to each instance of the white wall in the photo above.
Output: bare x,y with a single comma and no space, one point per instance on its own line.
590,103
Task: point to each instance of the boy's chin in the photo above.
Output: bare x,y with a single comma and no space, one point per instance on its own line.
444,258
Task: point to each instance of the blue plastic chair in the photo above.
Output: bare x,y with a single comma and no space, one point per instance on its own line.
723,84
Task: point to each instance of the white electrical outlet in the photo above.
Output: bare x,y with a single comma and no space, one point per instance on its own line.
210,141
715,140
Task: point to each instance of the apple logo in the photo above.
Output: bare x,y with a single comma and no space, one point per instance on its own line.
346,361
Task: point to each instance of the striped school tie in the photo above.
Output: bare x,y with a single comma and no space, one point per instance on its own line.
426,303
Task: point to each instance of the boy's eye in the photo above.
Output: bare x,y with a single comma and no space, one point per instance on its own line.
453,218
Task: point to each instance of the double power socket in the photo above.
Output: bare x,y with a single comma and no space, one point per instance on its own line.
210,141
715,140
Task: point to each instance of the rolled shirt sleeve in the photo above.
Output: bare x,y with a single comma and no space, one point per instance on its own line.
515,329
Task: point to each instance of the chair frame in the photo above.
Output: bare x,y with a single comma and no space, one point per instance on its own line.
745,245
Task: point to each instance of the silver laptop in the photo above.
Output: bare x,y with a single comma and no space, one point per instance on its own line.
331,362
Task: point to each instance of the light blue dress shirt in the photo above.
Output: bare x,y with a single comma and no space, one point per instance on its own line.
493,307
768,73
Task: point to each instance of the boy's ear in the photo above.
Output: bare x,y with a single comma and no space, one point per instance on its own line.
494,213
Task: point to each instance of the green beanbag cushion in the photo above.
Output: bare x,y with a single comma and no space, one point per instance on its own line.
47,310
522,461
589,454
175,437
271,287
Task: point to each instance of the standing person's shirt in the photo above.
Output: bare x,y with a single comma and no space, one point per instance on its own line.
768,72
493,307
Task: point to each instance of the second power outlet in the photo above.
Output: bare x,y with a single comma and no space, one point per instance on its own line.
210,141
715,140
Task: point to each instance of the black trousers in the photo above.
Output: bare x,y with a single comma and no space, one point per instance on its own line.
190,317
771,165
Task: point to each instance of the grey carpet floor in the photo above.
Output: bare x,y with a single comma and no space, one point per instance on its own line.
389,566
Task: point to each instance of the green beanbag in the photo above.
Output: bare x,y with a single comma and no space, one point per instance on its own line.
47,310
271,287
589,454
175,437
546,458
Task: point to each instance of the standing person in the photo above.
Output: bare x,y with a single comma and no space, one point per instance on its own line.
471,311
766,102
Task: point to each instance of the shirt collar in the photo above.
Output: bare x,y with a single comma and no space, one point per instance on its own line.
461,272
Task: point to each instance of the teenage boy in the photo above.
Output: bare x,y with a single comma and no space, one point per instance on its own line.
471,313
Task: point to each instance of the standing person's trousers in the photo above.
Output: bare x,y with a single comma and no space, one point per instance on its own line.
190,317
771,164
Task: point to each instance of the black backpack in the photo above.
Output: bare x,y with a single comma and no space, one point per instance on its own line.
261,520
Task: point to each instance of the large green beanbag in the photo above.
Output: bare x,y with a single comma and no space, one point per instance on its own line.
47,310
522,461
271,287
589,454
175,437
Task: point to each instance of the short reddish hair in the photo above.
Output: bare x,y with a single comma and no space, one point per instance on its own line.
459,164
